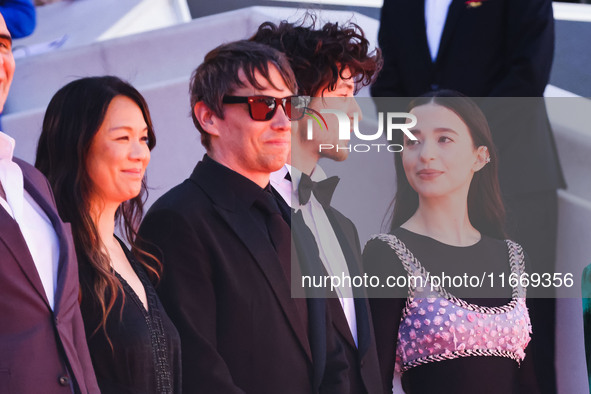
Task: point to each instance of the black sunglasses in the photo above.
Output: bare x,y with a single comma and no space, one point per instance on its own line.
263,108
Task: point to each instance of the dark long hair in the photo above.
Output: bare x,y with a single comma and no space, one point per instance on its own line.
71,121
485,205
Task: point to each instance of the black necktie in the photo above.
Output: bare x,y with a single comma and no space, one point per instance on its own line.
322,190
278,229
280,234
283,207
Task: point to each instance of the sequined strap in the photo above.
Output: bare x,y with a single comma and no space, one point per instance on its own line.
409,262
517,263
414,268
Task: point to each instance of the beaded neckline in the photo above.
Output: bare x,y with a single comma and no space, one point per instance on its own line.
414,267
438,326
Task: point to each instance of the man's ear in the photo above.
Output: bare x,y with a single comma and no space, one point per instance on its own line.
207,118
482,158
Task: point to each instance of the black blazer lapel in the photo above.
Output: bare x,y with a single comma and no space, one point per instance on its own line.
453,15
306,256
349,242
412,18
317,335
267,259
363,326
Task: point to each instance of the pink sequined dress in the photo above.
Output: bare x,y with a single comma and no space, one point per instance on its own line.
443,343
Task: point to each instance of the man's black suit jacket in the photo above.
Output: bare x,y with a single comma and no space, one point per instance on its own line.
364,375
364,368
501,48
225,290
41,350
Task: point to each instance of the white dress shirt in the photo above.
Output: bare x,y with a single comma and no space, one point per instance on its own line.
435,17
281,184
34,224
330,251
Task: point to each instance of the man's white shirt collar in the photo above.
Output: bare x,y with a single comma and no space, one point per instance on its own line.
280,184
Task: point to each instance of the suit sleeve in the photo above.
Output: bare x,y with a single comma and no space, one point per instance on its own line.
529,42
387,83
380,260
530,49
187,293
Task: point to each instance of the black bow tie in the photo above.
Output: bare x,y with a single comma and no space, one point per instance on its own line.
323,190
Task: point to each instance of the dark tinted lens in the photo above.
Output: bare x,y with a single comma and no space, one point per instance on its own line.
262,108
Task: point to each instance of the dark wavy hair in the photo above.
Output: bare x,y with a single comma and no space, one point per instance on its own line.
73,117
218,75
485,205
319,56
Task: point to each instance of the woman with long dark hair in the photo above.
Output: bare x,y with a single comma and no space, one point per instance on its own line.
454,335
94,148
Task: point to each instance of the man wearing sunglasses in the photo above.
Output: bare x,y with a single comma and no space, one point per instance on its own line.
313,54
225,245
